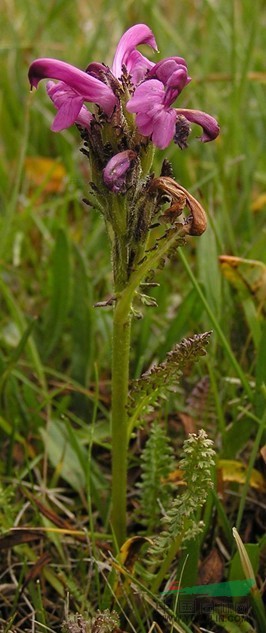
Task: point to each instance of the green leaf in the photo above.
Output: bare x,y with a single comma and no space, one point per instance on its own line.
16,353
236,570
236,436
231,621
59,303
261,373
82,320
188,313
157,380
209,276
69,457
62,455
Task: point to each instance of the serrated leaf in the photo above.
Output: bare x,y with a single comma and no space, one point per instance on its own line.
162,377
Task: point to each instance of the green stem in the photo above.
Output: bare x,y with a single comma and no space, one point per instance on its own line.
166,564
120,367
120,377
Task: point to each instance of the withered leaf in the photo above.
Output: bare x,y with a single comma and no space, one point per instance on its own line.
17,536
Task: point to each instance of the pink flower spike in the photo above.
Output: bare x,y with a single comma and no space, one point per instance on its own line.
69,105
86,86
208,123
136,35
114,174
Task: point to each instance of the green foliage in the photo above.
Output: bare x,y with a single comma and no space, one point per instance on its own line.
45,392
153,384
181,522
7,508
60,285
103,622
157,461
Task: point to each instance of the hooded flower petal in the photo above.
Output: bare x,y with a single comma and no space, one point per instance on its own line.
172,72
209,125
152,100
165,68
125,52
114,174
86,86
69,105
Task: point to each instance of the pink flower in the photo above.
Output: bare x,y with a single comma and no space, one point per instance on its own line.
156,87
114,174
69,105
78,86
152,102
126,54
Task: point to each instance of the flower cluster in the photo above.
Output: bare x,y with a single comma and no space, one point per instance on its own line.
134,83
131,111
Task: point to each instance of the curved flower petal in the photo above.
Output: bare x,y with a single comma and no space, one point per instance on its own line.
208,123
88,87
96,69
136,35
69,105
114,174
138,66
179,79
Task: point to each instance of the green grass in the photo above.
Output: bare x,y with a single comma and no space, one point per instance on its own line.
55,347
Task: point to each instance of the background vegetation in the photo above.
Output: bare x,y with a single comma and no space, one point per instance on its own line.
55,346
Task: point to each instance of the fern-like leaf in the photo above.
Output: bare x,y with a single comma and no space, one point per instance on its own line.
157,461
181,522
153,384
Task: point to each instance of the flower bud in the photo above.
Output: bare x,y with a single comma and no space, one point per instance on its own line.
114,174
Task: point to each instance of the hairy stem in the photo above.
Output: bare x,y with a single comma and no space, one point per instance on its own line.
120,377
